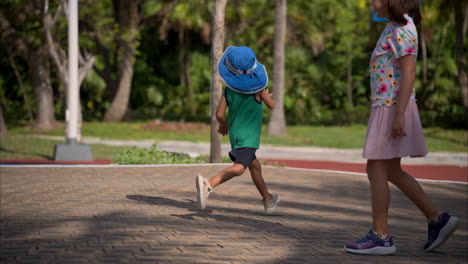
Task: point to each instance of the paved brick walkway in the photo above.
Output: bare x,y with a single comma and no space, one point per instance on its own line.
148,215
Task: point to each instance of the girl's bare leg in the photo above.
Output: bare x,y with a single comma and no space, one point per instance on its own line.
412,189
377,172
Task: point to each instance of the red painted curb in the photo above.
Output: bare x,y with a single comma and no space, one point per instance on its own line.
428,172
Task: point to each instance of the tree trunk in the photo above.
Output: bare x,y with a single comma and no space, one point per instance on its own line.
216,52
38,63
128,18
187,78
349,84
181,57
465,22
23,89
3,127
39,67
460,55
424,56
184,67
349,76
277,123
106,73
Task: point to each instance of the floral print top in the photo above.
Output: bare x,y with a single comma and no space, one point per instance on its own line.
395,41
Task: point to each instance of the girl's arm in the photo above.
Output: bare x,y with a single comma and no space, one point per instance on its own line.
408,72
220,116
266,97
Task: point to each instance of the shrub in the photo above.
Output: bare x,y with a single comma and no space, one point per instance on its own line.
153,155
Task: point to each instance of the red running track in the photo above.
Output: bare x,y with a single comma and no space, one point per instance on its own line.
428,172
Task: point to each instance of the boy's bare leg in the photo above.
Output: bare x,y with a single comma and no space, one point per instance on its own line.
225,175
256,173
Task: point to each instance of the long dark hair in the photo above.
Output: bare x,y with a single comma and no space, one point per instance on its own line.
397,9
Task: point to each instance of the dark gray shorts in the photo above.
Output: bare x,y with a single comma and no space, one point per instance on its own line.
245,156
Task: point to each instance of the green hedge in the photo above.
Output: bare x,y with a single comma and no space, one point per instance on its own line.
153,155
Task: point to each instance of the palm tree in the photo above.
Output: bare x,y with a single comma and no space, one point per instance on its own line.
128,19
277,123
216,52
3,127
461,16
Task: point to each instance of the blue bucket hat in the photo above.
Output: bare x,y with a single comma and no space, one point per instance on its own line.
240,70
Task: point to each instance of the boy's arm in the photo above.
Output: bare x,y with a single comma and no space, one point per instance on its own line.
266,97
220,116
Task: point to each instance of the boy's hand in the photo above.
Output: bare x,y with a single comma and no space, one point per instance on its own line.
223,128
265,95
267,92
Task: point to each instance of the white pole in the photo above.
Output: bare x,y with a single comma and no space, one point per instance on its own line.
72,150
73,92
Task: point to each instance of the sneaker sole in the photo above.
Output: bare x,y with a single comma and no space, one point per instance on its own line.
445,233
199,184
273,209
373,251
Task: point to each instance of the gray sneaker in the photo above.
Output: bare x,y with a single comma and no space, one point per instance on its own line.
270,205
203,191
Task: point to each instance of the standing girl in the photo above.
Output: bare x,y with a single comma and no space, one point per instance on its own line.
394,130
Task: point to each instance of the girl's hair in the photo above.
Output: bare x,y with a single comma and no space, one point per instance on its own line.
397,9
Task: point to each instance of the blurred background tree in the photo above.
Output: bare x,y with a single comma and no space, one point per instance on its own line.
22,29
157,53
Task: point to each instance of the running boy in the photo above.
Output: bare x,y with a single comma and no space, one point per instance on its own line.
247,80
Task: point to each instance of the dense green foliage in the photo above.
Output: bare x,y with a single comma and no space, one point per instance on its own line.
325,38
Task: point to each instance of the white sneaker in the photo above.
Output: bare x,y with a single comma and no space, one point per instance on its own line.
203,191
270,205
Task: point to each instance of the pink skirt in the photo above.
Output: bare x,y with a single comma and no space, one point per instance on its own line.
379,143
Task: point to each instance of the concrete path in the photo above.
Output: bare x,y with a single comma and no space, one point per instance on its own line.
148,215
280,152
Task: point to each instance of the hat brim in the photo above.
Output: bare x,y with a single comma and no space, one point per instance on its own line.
243,83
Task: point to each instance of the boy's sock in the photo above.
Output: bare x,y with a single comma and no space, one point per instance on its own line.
207,183
271,197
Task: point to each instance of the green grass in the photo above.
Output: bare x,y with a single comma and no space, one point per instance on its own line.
22,147
437,140
123,131
441,140
351,137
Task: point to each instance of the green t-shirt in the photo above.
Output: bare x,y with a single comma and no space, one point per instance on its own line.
244,119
